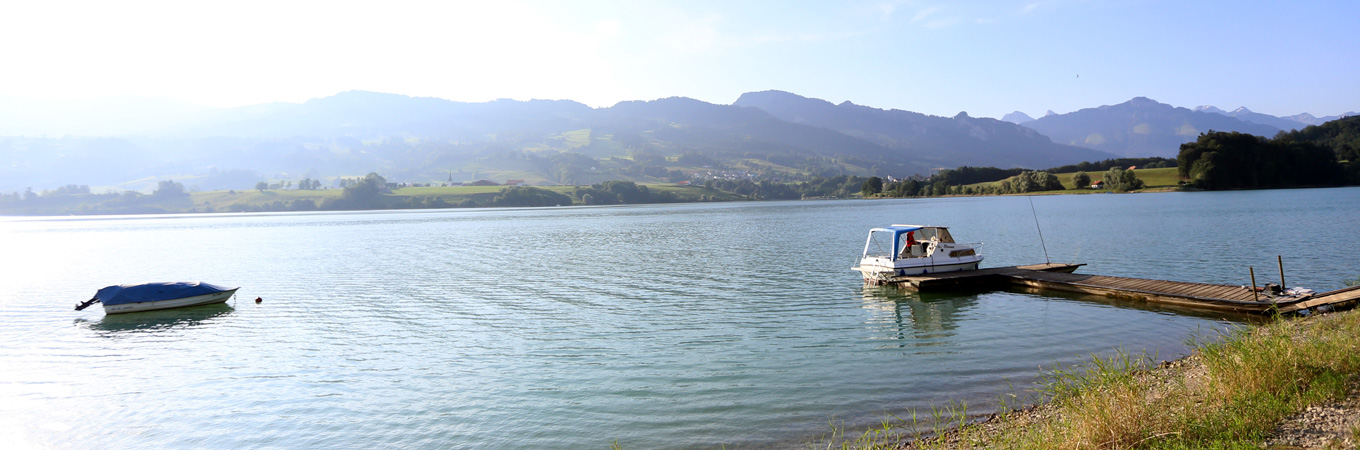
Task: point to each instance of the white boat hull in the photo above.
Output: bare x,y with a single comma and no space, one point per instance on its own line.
206,299
908,250
883,274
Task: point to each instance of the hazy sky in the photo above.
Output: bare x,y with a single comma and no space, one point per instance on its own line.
937,57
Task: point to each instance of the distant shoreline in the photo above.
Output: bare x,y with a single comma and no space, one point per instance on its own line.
274,201
158,211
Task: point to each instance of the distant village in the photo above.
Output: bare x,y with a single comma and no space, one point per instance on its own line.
698,177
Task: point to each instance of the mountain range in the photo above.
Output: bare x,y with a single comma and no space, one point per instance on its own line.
1144,127
1140,127
1294,122
130,144
944,141
547,142
1286,123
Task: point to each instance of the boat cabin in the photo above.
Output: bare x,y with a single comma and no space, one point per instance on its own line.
905,241
902,250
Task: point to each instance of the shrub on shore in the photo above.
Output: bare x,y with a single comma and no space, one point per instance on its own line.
1230,393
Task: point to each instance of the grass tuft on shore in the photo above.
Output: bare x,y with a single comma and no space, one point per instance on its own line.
1229,394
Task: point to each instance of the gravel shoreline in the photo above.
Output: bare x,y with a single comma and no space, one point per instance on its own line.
1328,426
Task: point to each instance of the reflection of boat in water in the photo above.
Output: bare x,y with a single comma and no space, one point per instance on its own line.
901,250
911,318
154,321
126,298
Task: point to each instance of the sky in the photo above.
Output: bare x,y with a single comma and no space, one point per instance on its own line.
987,58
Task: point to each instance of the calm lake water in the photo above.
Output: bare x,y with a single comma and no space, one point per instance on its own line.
668,326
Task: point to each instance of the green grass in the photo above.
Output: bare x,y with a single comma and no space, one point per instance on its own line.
1235,389
221,201
576,138
266,196
1153,179
692,193
445,190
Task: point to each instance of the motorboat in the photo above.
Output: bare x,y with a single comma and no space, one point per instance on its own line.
126,298
901,250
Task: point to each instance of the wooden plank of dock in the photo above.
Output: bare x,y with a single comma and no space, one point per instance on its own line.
1339,298
1200,295
1181,293
974,278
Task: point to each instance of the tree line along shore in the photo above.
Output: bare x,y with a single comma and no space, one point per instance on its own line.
1215,161
372,192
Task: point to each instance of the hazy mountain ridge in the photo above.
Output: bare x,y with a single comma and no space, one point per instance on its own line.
371,115
1017,117
111,116
737,128
1244,114
1139,127
421,139
1287,123
1310,120
429,139
947,142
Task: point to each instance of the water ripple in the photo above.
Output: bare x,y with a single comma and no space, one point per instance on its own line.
671,326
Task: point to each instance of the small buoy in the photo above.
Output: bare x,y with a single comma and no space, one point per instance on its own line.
258,300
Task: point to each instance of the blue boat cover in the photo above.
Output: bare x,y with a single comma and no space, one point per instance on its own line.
897,231
151,292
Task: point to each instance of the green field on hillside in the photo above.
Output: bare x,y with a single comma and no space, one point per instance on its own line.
1160,178
450,196
1152,178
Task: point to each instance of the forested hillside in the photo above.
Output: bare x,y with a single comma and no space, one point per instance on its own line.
540,142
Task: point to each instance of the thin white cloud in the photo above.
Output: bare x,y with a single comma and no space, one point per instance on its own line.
885,10
774,38
924,13
1037,5
943,23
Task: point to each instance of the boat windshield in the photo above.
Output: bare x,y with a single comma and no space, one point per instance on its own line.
904,241
934,233
880,243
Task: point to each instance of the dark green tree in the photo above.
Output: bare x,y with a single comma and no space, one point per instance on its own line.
529,196
169,189
1081,180
1121,180
871,186
1231,160
1342,136
366,193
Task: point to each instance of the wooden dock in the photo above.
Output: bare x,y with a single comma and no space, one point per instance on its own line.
1179,293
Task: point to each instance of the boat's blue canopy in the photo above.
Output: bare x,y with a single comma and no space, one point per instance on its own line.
151,292
897,232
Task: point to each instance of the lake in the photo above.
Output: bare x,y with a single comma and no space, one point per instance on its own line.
653,326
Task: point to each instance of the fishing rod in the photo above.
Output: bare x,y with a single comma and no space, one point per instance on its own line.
1036,226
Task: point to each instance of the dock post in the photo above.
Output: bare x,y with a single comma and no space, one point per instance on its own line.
1280,260
1254,297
